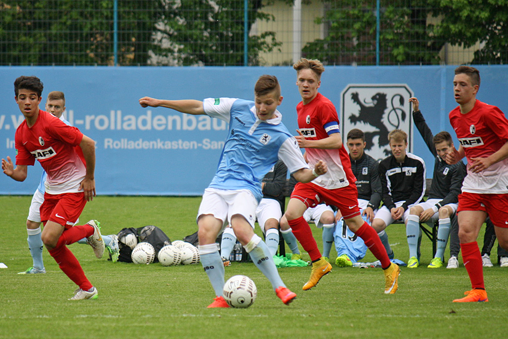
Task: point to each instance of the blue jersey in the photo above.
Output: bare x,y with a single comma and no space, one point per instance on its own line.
252,146
346,242
42,184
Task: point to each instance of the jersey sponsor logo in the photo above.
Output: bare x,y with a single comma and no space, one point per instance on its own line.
308,132
365,170
471,142
44,153
265,139
307,120
472,129
41,141
217,101
446,170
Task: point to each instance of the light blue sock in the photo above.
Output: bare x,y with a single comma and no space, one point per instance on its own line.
290,240
328,230
260,255
35,246
272,240
442,237
106,238
384,239
212,264
227,243
412,234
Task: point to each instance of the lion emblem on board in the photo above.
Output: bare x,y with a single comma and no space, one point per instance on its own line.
373,113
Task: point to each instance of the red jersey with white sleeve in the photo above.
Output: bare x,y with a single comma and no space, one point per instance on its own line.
482,132
317,120
53,144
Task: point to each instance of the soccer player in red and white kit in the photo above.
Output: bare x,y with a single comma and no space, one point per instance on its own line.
482,131
319,134
68,157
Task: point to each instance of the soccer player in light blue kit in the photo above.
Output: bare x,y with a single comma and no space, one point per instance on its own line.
256,140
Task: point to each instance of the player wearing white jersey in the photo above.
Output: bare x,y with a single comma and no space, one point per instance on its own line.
482,131
256,140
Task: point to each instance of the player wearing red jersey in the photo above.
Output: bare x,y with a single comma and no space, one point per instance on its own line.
319,134
482,131
68,157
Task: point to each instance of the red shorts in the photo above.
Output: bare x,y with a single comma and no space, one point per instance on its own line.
495,205
64,209
345,198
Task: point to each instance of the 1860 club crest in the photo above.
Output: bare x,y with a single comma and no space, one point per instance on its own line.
377,110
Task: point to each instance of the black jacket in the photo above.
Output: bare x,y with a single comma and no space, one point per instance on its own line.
447,179
402,181
366,171
275,182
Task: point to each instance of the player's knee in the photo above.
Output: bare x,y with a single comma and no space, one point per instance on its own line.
444,213
415,211
32,225
327,218
48,240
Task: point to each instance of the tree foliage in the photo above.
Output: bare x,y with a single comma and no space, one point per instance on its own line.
411,32
196,32
81,32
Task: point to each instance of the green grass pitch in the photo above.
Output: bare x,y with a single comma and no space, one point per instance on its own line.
139,301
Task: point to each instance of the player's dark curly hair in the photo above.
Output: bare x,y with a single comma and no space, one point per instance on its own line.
31,83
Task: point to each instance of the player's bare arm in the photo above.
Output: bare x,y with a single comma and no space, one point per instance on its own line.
184,106
307,175
88,184
19,173
480,164
331,142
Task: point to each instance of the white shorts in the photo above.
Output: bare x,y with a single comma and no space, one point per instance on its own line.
314,213
386,215
431,203
223,204
34,213
268,209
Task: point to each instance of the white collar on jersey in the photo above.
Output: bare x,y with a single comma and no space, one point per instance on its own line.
274,121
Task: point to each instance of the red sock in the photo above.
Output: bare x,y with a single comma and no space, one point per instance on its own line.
303,233
371,239
472,259
73,234
70,266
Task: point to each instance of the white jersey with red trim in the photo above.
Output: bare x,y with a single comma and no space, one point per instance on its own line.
53,144
317,120
482,132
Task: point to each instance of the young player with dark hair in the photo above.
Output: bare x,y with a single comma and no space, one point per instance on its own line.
257,138
349,247
442,201
482,131
320,136
68,158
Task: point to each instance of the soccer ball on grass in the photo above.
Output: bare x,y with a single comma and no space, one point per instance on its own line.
240,291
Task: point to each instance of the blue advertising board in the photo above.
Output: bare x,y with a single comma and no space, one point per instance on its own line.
158,151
